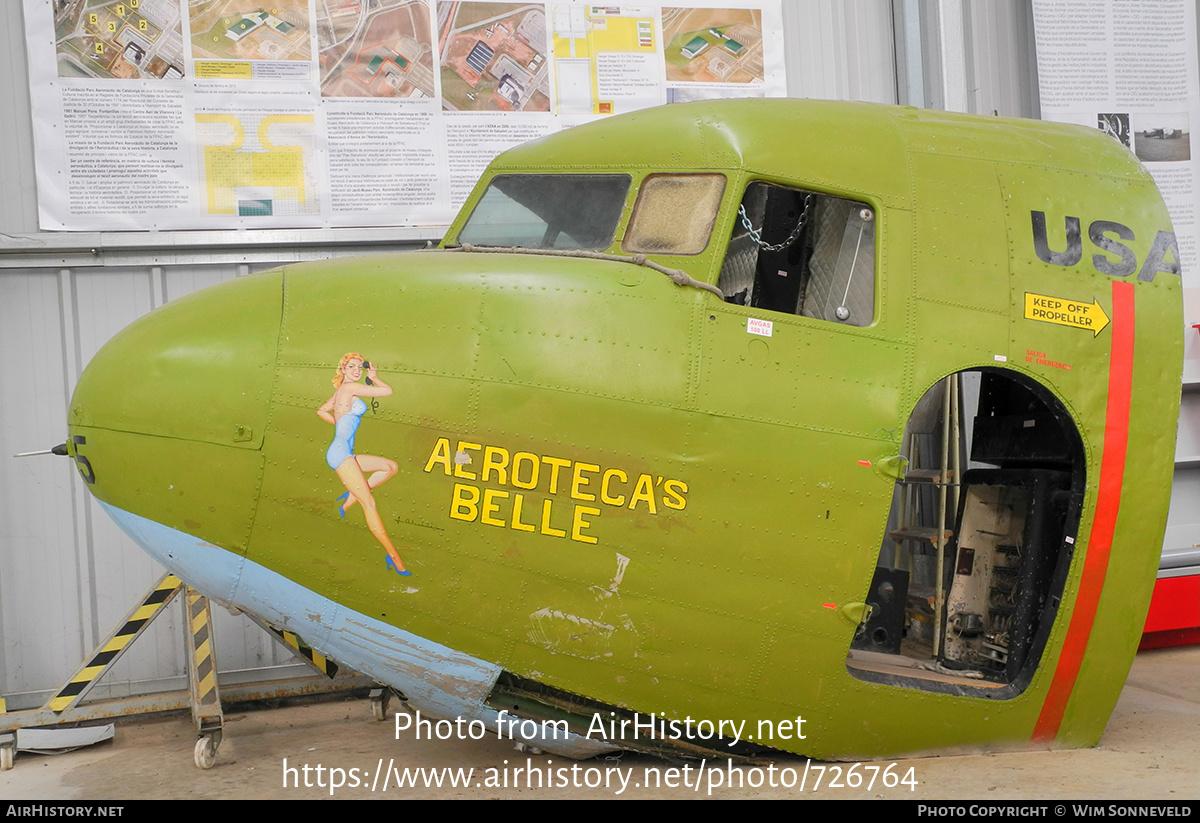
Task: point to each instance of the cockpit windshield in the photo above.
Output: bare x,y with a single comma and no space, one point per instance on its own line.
548,211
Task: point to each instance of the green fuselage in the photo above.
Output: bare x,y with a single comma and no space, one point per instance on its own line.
622,488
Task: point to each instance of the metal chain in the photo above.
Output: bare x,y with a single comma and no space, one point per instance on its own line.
756,235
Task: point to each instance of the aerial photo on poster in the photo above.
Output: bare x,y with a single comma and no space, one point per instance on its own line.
375,48
493,56
119,39
249,29
713,45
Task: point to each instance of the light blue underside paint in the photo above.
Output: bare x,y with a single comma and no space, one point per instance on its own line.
438,681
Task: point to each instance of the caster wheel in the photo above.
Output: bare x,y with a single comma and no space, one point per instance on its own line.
380,698
205,752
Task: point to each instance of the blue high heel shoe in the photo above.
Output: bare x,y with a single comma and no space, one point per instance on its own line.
342,507
391,564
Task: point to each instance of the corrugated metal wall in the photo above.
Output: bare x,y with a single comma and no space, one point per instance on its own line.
840,51
974,57
67,574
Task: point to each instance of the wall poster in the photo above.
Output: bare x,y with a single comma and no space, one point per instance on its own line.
216,114
1129,68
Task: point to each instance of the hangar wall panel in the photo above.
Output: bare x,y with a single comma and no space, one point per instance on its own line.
18,203
67,573
1002,71
840,51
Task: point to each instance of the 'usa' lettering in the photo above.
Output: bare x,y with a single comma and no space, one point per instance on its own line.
1116,259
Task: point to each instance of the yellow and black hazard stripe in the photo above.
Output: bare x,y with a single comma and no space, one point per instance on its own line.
118,641
319,661
200,622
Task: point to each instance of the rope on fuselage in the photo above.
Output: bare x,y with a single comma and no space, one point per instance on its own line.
678,277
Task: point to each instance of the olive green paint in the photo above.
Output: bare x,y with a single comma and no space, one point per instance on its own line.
729,608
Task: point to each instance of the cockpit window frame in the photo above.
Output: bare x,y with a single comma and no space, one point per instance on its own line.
643,233
610,212
858,207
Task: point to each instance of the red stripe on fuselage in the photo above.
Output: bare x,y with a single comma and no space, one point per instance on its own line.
1104,523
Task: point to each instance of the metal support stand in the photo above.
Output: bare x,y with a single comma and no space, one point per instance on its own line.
381,698
316,661
380,695
202,680
110,651
202,697
8,750
63,706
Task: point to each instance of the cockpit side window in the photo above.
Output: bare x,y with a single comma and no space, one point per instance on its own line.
674,214
548,211
804,253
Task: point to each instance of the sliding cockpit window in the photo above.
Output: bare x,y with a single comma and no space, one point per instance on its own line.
802,252
548,211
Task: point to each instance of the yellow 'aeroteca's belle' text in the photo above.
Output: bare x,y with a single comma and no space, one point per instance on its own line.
491,472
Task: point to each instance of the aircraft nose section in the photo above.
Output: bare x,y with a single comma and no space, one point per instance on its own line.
199,368
167,420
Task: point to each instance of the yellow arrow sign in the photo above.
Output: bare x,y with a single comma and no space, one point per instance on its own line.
1088,316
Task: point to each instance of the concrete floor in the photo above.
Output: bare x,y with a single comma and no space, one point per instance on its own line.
1150,751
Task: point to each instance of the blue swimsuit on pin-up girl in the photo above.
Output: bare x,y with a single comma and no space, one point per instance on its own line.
344,429
342,449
